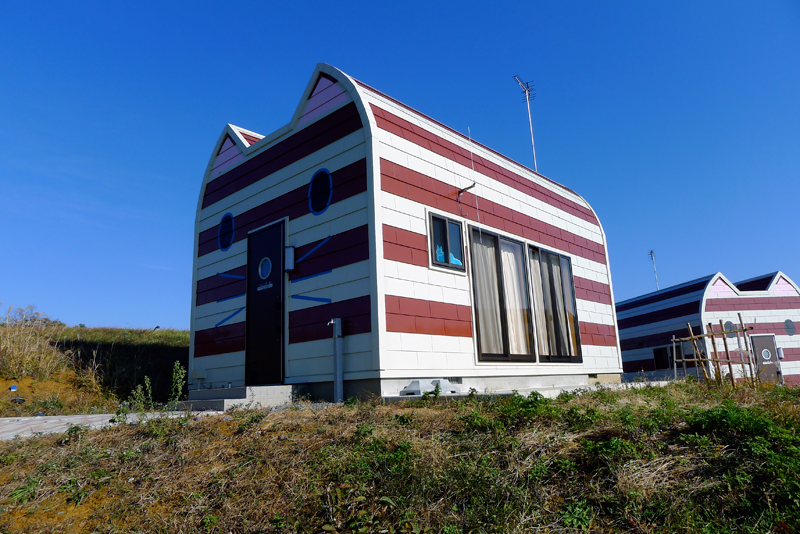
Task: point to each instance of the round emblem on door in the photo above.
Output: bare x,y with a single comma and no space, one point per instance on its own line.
766,354
264,268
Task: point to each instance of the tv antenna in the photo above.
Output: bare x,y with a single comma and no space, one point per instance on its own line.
652,255
529,94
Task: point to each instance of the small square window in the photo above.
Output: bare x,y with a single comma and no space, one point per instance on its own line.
448,249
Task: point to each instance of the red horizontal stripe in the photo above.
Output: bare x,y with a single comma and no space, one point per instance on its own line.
311,324
314,137
347,182
753,304
342,249
417,316
417,187
219,340
216,287
404,246
791,355
304,325
592,291
599,335
222,346
392,123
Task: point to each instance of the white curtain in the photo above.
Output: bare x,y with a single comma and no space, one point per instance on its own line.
569,306
487,295
553,296
539,307
559,312
516,297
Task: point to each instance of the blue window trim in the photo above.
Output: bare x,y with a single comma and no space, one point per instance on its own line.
219,232
330,194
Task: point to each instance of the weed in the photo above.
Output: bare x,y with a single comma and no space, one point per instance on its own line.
581,420
250,420
610,451
364,430
25,493
79,496
178,384
577,515
141,399
475,421
75,433
402,419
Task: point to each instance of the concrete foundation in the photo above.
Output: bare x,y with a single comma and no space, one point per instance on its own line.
226,398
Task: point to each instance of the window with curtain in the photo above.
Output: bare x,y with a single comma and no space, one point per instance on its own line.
558,335
502,305
447,250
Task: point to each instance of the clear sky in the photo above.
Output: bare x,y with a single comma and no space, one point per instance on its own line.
679,122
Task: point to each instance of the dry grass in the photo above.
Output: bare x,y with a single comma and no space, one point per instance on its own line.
28,345
49,380
680,459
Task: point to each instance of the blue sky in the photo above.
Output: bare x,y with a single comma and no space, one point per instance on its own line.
679,122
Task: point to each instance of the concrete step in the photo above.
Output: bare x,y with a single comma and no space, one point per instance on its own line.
244,397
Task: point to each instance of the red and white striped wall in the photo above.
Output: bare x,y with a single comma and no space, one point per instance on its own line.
404,318
427,319
258,181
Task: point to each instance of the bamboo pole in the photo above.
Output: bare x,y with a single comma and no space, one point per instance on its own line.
717,370
727,353
674,360
683,360
697,352
747,345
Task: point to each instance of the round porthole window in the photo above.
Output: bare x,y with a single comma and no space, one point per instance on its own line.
788,325
264,268
766,354
320,192
225,232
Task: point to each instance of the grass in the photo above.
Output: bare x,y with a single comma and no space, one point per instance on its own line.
62,370
684,458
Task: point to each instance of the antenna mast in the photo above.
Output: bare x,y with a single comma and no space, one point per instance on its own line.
652,255
526,88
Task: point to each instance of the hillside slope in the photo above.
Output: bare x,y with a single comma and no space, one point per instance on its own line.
684,458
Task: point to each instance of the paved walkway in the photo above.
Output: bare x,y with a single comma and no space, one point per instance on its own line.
11,427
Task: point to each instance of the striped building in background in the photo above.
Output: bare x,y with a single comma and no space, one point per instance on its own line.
443,258
769,303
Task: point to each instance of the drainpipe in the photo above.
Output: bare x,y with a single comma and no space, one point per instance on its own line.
338,374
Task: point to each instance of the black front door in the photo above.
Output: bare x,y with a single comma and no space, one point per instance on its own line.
766,355
264,350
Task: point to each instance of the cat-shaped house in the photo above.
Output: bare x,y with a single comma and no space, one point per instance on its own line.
442,258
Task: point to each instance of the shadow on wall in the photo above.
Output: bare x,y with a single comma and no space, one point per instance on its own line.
123,357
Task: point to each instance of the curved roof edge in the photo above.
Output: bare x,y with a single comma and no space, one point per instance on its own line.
663,292
764,286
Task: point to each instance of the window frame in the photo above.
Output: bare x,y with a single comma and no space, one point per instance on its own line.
447,222
506,356
557,358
